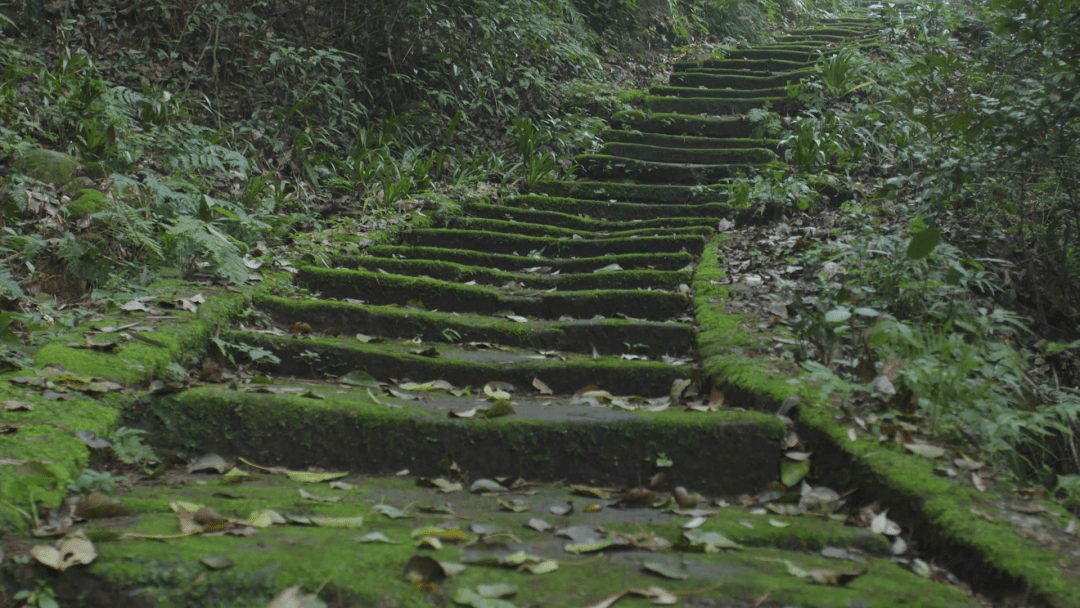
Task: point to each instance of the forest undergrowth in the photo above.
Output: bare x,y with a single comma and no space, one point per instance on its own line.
210,135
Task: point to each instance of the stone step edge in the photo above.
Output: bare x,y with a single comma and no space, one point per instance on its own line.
990,557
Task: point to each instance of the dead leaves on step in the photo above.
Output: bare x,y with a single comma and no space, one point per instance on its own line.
73,550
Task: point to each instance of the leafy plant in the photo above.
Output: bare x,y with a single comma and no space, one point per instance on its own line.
41,596
128,446
94,481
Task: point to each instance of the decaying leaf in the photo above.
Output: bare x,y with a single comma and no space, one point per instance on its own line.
375,537
292,598
73,550
216,562
668,568
209,462
391,511
926,451
881,524
487,485
709,541
678,387
793,471
318,498
92,441
337,522
359,378
540,386
659,596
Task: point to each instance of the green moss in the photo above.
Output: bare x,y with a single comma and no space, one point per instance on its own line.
719,93
338,357
686,197
47,435
600,166
515,244
767,65
655,261
687,143
681,124
54,168
609,336
461,273
138,361
713,106
753,80
651,153
631,97
544,230
565,220
88,201
990,555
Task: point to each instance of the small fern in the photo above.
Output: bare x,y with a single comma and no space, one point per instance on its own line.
9,287
224,254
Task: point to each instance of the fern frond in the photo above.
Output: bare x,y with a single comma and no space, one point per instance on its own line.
224,254
9,287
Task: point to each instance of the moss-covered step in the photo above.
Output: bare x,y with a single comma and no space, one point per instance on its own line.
514,244
643,261
774,54
607,336
576,222
686,197
433,294
667,91
325,559
340,356
712,106
599,166
623,212
848,32
681,124
758,65
714,80
945,518
686,142
538,279
815,38
696,156
460,222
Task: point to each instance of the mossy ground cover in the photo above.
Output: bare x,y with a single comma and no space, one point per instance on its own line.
969,530
364,573
362,429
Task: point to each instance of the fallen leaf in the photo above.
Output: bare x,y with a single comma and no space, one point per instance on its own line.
13,405
209,462
359,378
609,600
73,550
97,505
539,525
309,496
540,386
375,537
215,562
673,570
926,451
92,441
292,598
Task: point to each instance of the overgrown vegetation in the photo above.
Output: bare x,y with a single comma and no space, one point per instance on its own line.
953,141
198,132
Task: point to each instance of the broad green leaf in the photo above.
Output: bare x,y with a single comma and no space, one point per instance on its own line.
923,243
306,477
359,378
793,471
837,315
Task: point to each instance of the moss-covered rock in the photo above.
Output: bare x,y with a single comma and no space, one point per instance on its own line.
51,167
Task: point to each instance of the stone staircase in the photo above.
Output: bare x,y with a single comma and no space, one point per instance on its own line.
547,337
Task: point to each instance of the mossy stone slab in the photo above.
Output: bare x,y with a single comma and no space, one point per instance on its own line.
48,166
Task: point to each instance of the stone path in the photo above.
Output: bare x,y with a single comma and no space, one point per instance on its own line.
527,369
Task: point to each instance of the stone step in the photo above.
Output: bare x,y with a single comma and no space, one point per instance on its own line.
686,198
713,80
599,166
682,124
320,357
653,261
529,229
537,279
511,211
698,156
713,107
432,294
669,91
513,244
760,65
607,336
686,142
